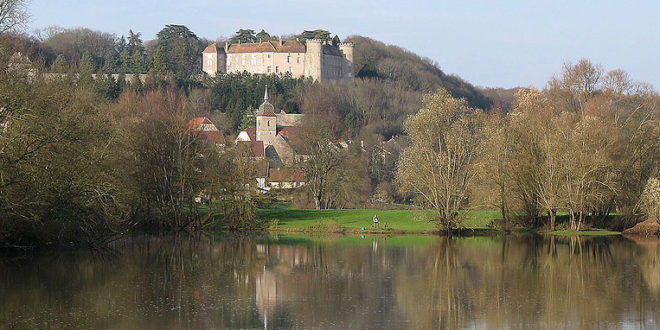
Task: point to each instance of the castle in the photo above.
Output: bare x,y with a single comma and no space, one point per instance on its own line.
317,59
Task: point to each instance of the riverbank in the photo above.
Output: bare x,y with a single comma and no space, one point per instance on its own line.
285,219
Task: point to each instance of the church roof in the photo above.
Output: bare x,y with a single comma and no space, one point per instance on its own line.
290,46
266,109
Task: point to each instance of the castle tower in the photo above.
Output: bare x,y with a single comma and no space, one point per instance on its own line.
347,49
266,122
213,60
313,59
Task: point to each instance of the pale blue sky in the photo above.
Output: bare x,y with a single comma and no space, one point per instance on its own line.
488,43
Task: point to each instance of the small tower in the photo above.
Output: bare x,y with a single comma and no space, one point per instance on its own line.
266,122
213,60
313,58
347,49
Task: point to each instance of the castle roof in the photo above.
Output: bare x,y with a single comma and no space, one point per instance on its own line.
290,46
212,48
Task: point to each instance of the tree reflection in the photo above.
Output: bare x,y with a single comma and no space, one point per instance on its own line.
254,282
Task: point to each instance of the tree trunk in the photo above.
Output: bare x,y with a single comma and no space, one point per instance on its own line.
552,220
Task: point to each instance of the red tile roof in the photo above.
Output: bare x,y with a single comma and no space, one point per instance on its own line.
290,46
194,123
251,132
212,48
262,166
286,175
258,148
213,136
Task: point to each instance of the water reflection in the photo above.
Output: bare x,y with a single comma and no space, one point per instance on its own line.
344,282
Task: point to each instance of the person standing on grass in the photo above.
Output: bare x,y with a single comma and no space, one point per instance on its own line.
375,221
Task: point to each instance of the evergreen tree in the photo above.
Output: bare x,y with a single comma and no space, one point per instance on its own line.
243,36
249,119
60,64
336,41
180,51
263,35
111,63
138,62
126,62
160,60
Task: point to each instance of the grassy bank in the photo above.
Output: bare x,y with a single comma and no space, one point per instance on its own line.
286,219
283,218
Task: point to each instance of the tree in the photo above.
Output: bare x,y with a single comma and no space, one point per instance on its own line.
160,60
249,119
13,14
60,64
182,50
324,157
111,63
336,41
263,35
243,36
438,166
650,200
315,34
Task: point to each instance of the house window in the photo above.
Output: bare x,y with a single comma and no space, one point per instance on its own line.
291,69
288,59
269,70
277,69
298,59
254,59
243,60
209,56
268,55
268,123
210,63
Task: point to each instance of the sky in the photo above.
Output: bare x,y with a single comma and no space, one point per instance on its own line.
494,43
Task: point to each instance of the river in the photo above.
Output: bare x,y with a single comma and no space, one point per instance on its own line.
298,281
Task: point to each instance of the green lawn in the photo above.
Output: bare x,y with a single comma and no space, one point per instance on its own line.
587,232
285,218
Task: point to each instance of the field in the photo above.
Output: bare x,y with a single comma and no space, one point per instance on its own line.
284,218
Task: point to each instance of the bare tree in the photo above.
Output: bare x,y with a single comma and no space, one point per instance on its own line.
439,166
13,14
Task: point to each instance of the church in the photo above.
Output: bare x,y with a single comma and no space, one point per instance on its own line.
272,136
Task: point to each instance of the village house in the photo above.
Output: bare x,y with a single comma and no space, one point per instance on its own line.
316,59
202,126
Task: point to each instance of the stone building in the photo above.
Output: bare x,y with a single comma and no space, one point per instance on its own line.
317,59
273,133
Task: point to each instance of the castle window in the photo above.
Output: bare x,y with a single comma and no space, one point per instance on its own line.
209,55
288,59
298,60
269,70
277,69
254,59
268,124
268,55
210,63
291,69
